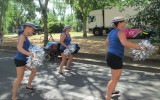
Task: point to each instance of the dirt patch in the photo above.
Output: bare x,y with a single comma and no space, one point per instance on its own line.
91,44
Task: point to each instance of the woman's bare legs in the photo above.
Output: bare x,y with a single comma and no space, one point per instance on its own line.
20,74
70,59
31,77
113,82
62,62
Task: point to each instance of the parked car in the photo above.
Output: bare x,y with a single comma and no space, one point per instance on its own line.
149,34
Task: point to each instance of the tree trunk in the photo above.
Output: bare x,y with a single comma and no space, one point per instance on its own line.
1,14
77,27
0,21
43,7
3,9
84,26
45,21
17,24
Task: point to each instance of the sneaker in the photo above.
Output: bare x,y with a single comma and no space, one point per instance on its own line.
60,73
67,68
15,99
116,92
32,89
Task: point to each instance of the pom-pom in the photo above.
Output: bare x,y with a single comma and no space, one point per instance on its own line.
73,48
143,53
38,56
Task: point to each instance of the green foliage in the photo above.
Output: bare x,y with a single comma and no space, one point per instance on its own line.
77,26
137,3
156,39
56,27
60,6
18,12
149,15
3,9
75,23
69,20
52,18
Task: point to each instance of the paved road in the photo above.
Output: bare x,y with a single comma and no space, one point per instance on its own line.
83,82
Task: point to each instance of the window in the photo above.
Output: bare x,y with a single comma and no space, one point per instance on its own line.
91,19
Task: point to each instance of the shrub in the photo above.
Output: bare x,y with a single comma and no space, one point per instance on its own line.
56,27
156,39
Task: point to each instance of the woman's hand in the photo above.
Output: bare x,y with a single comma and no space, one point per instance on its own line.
143,47
67,47
30,54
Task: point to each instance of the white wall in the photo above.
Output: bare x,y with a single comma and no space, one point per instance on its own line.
111,13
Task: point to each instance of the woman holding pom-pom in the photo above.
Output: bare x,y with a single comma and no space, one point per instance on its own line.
21,59
115,43
65,40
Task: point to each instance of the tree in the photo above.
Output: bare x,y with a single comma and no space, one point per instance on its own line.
22,11
43,8
18,12
60,6
150,14
3,9
83,7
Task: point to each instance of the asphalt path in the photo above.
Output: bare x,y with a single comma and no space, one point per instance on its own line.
85,81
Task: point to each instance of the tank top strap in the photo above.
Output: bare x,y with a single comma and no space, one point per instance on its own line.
24,36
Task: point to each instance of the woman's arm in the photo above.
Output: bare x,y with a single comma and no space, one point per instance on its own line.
107,42
20,46
125,42
63,36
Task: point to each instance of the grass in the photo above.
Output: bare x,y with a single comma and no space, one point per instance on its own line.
91,44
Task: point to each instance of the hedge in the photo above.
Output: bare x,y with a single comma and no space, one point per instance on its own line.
56,27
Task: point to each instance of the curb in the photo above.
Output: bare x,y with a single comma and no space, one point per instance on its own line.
97,59
8,49
129,66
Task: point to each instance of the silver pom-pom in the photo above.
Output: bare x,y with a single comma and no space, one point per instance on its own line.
143,53
67,52
72,48
37,58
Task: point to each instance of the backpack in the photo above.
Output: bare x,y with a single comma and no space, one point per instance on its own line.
77,48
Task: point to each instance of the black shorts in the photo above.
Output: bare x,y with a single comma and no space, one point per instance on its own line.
61,50
19,63
113,61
